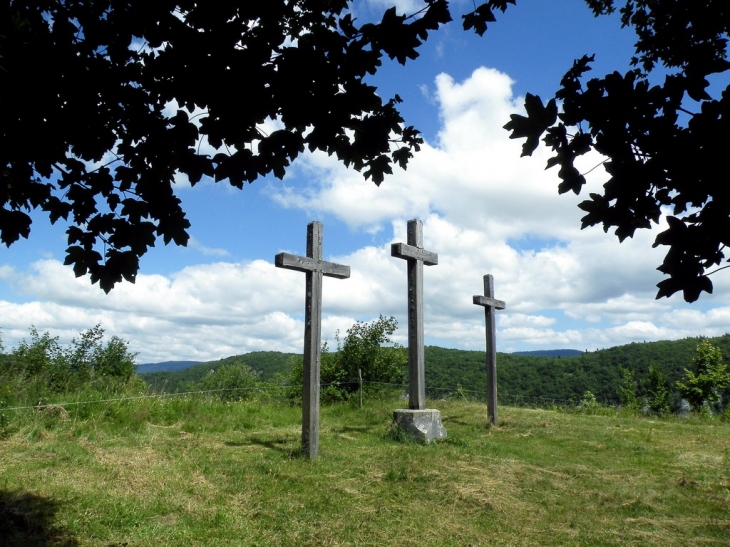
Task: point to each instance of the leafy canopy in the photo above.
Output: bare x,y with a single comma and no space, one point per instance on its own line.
664,143
103,103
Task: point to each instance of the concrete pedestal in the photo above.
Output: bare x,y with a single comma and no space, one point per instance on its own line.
423,424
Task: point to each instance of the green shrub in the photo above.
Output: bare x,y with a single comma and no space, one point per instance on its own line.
656,387
627,389
708,377
39,369
231,382
368,348
589,405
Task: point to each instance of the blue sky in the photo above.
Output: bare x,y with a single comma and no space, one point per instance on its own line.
485,210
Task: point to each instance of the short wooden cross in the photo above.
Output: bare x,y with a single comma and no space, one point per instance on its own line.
416,256
315,268
490,304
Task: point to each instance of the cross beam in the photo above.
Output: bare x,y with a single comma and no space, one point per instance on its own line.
414,253
314,267
490,304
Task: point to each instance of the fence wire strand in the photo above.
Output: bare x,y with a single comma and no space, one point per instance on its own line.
503,398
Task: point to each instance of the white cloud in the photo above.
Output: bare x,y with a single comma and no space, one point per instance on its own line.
473,175
208,251
521,319
211,310
407,7
484,209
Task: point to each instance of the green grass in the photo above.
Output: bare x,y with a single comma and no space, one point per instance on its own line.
189,472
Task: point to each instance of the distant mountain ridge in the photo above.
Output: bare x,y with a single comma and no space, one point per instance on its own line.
266,364
165,366
537,376
549,353
174,366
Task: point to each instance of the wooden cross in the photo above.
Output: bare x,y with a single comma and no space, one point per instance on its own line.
315,268
416,256
490,304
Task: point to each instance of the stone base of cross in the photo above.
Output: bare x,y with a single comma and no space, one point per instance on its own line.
419,421
425,425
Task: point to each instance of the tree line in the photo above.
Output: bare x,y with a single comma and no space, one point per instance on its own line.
653,370
652,376
604,373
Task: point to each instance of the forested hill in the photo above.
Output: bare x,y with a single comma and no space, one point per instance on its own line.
560,378
266,364
549,353
165,366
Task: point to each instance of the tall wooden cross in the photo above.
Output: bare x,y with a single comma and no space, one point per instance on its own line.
315,268
416,256
490,304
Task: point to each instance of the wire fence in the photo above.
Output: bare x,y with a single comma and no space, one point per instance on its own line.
434,393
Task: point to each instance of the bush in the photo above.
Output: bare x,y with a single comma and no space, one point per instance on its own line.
589,404
627,389
41,368
656,388
707,378
232,382
367,347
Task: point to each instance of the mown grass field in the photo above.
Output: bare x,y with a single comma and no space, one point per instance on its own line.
190,472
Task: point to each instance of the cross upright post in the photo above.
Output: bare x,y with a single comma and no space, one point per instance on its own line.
416,256
314,268
490,304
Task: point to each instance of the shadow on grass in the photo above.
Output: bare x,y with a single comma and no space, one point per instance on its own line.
279,445
454,420
354,429
27,520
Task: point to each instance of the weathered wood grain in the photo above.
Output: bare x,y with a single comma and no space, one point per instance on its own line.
416,256
314,268
490,305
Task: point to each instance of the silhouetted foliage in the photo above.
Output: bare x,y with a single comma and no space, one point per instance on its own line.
106,102
664,143
135,93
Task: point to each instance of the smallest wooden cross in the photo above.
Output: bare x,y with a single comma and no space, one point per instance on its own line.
315,268
490,304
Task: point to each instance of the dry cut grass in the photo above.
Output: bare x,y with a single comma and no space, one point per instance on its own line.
215,474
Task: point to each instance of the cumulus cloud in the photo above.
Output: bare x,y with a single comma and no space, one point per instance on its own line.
484,209
407,7
208,251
